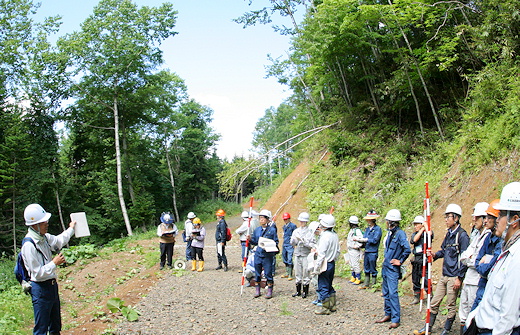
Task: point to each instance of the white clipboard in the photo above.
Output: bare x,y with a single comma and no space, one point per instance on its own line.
81,229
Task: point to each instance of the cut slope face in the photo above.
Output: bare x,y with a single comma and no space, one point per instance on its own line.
290,196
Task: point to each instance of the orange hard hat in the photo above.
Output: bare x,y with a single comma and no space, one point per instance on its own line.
286,216
491,209
220,212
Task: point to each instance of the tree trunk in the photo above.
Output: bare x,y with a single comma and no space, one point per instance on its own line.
369,83
419,72
127,166
172,183
58,203
14,208
118,168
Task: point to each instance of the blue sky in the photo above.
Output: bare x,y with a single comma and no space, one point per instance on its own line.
222,64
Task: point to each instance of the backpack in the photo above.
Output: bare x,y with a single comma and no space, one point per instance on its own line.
228,234
20,271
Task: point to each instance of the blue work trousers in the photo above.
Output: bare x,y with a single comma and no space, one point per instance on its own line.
189,256
243,244
46,306
265,263
370,263
287,254
325,279
391,294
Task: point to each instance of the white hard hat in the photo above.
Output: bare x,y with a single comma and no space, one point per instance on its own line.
313,226
418,219
353,219
328,221
393,215
265,212
480,209
191,215
34,214
304,216
509,198
453,208
245,215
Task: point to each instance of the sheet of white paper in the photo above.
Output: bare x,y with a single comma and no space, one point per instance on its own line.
267,244
219,249
81,229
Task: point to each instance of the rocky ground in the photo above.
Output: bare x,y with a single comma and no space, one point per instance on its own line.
211,302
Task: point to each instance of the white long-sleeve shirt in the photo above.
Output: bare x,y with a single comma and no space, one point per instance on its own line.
499,309
328,248
244,230
303,241
39,264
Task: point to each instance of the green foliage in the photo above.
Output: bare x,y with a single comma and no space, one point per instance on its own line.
116,305
79,252
15,311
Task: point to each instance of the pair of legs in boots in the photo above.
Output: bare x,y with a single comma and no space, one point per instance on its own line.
445,287
266,264
258,290
197,253
370,280
221,257
299,292
326,293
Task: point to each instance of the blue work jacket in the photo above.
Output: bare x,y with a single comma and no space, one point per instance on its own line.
288,229
269,232
397,247
373,234
454,244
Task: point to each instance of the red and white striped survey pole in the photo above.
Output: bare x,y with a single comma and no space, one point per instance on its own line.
429,257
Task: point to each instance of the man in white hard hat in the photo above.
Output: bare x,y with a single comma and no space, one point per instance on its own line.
41,266
397,251
264,258
454,244
489,253
469,287
328,252
417,241
188,227
287,249
354,249
498,312
242,232
303,241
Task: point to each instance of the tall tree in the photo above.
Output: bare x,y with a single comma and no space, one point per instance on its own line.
115,51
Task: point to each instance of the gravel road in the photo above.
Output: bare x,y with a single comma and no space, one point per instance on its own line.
210,302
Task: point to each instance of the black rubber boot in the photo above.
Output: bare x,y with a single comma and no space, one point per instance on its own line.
422,331
298,290
447,326
305,291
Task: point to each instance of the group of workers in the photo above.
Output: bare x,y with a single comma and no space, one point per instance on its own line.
482,267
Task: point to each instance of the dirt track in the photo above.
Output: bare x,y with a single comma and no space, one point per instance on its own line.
210,303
